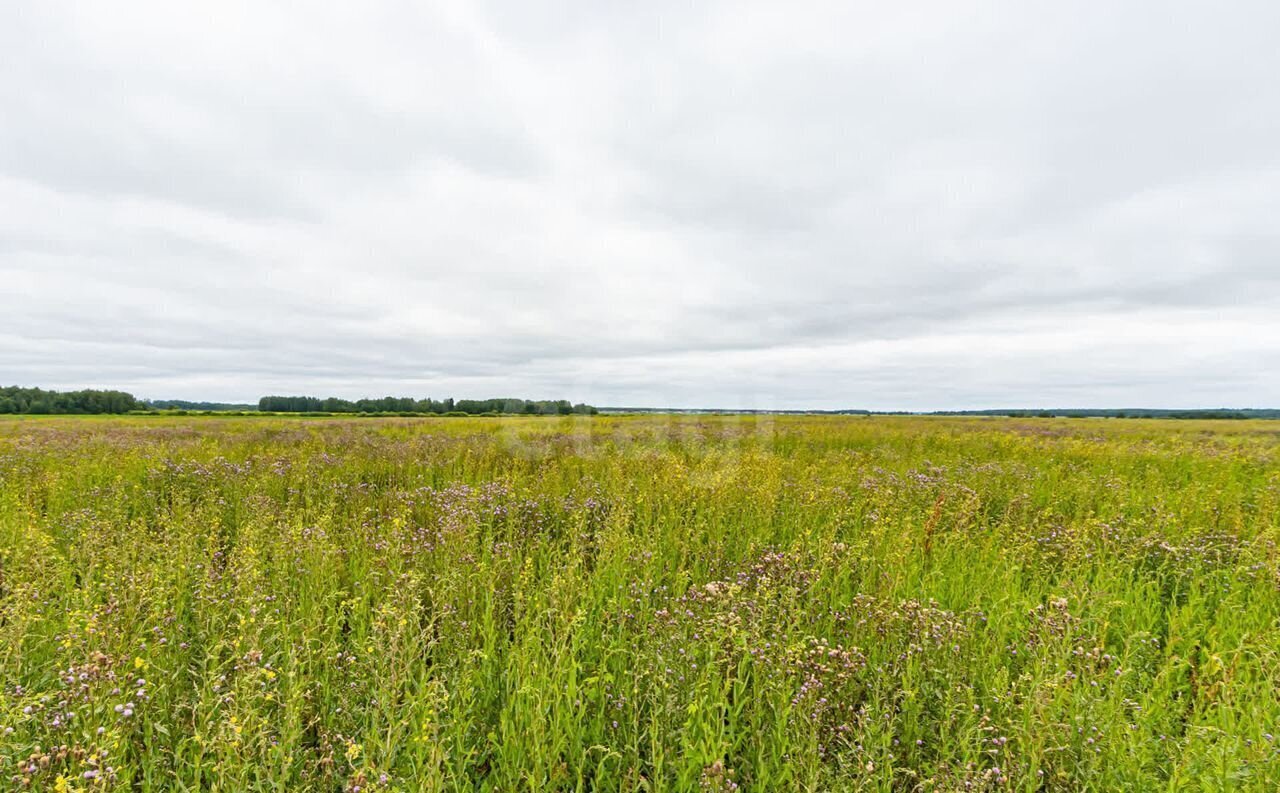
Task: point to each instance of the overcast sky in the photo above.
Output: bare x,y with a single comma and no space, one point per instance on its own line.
782,204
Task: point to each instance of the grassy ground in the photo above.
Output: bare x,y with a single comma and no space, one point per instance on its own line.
652,603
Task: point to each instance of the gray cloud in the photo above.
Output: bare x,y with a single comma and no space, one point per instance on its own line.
795,205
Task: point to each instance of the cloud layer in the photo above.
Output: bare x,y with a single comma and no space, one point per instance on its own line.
921,205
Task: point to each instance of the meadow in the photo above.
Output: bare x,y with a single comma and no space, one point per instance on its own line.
652,603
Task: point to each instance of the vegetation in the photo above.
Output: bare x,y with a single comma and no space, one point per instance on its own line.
639,603
15,399
212,407
470,407
1123,413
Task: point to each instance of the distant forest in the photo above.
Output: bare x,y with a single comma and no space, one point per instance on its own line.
305,404
1121,413
15,399
182,404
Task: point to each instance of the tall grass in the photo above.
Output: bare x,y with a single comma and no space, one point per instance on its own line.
639,603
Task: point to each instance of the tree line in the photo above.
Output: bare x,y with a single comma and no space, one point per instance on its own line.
527,407
211,407
1121,413
15,399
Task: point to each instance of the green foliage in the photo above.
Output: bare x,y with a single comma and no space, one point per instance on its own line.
407,406
1149,413
214,407
659,603
15,399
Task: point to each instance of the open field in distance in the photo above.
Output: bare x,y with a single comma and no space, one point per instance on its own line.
639,603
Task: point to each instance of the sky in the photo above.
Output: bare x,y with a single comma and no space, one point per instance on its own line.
916,205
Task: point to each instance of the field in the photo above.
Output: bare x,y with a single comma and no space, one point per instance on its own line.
639,603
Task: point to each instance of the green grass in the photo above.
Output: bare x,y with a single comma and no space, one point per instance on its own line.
639,603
